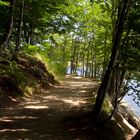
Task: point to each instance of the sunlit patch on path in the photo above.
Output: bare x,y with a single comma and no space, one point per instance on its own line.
41,115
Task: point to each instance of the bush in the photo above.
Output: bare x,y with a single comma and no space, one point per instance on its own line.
12,79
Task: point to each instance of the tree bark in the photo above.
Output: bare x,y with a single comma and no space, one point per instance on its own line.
18,43
83,64
87,60
83,60
9,29
115,51
95,62
105,57
72,57
31,34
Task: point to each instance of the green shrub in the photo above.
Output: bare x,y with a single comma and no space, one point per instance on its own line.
12,78
57,67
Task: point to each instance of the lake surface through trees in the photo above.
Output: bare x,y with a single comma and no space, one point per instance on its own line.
131,103
130,99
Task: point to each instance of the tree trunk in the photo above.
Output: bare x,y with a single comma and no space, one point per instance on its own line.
95,62
92,63
9,29
73,54
92,57
105,57
71,61
87,61
83,64
31,34
83,60
115,50
18,43
26,32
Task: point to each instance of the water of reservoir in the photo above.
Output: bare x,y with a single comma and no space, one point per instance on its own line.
134,107
129,99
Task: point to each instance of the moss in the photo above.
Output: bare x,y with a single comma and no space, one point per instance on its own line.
107,107
12,80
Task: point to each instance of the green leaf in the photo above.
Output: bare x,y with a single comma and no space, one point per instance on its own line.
4,3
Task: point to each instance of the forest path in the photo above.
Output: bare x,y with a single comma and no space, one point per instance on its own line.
49,115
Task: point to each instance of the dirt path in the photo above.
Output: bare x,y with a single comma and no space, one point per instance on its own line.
49,115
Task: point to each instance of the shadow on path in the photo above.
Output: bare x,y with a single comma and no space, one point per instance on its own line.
59,113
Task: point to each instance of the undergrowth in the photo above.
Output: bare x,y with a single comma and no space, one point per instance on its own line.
12,79
56,67
24,75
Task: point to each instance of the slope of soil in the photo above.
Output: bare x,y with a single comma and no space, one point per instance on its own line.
22,75
59,113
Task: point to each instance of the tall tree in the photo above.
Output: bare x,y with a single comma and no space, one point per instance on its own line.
9,27
19,30
124,6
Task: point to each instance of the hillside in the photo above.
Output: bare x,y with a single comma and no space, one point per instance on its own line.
23,76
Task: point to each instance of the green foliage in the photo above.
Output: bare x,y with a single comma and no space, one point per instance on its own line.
58,68
12,78
31,49
4,3
54,64
59,32
24,75
106,105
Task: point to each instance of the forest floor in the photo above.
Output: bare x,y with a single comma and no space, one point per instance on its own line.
58,113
